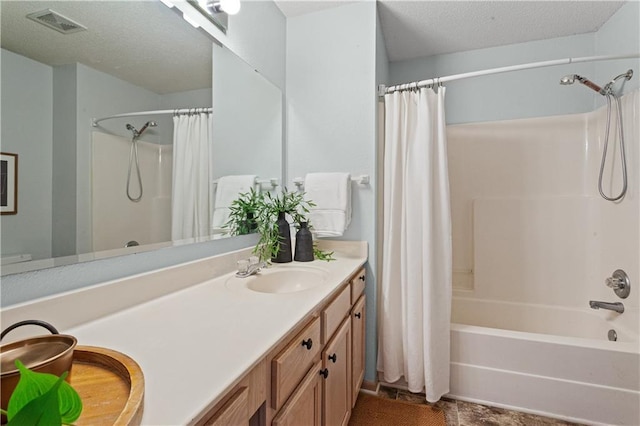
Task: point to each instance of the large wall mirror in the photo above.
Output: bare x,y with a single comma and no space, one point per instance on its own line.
77,183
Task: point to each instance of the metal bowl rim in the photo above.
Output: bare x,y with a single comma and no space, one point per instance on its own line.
66,338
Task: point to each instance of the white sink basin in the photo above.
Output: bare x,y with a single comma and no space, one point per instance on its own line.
281,280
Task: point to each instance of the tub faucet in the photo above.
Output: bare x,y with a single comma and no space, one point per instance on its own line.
617,306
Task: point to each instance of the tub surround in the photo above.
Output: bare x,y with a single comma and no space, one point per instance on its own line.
192,333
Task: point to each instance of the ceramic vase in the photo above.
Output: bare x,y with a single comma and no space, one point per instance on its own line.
284,237
304,244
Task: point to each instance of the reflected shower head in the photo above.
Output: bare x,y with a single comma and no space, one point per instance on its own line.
147,124
571,78
138,133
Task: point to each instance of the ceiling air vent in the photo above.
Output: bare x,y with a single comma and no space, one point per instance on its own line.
56,21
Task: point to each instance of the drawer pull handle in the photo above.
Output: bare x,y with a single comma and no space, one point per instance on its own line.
324,373
358,315
361,277
333,358
308,343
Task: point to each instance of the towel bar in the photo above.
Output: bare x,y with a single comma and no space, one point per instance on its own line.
361,180
273,182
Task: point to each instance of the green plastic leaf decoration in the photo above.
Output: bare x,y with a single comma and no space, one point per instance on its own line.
33,385
43,410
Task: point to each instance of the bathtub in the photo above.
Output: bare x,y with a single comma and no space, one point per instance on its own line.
546,360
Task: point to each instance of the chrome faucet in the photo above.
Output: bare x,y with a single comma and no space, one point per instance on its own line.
248,267
617,306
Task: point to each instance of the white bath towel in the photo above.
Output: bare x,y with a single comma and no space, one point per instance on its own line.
331,192
228,190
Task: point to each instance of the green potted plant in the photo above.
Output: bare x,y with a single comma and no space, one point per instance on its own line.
275,238
243,212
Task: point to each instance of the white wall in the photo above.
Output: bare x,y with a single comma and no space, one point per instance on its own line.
331,112
27,120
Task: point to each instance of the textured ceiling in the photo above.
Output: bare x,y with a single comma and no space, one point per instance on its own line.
421,28
142,42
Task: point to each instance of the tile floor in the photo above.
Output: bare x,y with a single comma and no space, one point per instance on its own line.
460,413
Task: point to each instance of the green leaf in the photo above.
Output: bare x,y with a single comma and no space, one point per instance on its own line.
33,385
43,410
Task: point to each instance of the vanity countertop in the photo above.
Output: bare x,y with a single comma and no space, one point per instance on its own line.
194,340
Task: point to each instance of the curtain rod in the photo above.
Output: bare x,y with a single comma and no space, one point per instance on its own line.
382,89
94,122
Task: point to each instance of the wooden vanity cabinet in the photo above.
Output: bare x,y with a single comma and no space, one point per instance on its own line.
312,376
243,404
336,373
305,405
358,330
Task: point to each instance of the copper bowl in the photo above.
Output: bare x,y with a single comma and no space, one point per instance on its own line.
45,354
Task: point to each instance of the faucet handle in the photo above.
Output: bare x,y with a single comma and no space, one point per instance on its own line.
614,283
243,266
619,282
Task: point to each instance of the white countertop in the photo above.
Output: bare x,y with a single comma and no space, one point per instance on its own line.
194,342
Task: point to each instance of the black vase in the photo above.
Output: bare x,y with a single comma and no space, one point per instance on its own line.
304,244
284,240
249,224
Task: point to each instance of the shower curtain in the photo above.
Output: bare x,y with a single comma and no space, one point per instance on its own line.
417,254
190,202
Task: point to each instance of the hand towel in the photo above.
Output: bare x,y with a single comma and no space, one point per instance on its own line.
331,192
228,190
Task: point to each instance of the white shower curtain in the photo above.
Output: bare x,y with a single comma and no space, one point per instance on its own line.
190,201
417,254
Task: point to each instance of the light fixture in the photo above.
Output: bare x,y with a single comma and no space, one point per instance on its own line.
216,11
190,21
230,7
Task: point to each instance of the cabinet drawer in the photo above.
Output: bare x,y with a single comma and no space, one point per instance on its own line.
293,362
335,312
357,285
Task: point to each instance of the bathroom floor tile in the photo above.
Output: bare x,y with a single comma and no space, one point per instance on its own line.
445,404
461,413
387,392
470,414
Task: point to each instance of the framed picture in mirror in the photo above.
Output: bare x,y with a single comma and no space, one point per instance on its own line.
9,183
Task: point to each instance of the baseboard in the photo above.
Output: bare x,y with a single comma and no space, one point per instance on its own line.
370,386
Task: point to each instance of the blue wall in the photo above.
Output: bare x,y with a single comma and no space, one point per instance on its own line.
530,93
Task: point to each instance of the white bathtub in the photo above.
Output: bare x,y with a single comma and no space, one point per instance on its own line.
546,360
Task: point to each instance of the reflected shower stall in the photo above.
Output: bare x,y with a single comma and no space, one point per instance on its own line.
131,191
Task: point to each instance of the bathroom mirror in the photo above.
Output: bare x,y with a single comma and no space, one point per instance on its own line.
119,64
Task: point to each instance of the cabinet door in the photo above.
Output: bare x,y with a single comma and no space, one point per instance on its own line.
336,363
357,347
234,412
304,406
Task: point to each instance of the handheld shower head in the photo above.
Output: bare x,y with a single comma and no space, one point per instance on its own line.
568,79
147,124
571,78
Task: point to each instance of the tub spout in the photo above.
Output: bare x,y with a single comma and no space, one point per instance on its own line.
617,306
